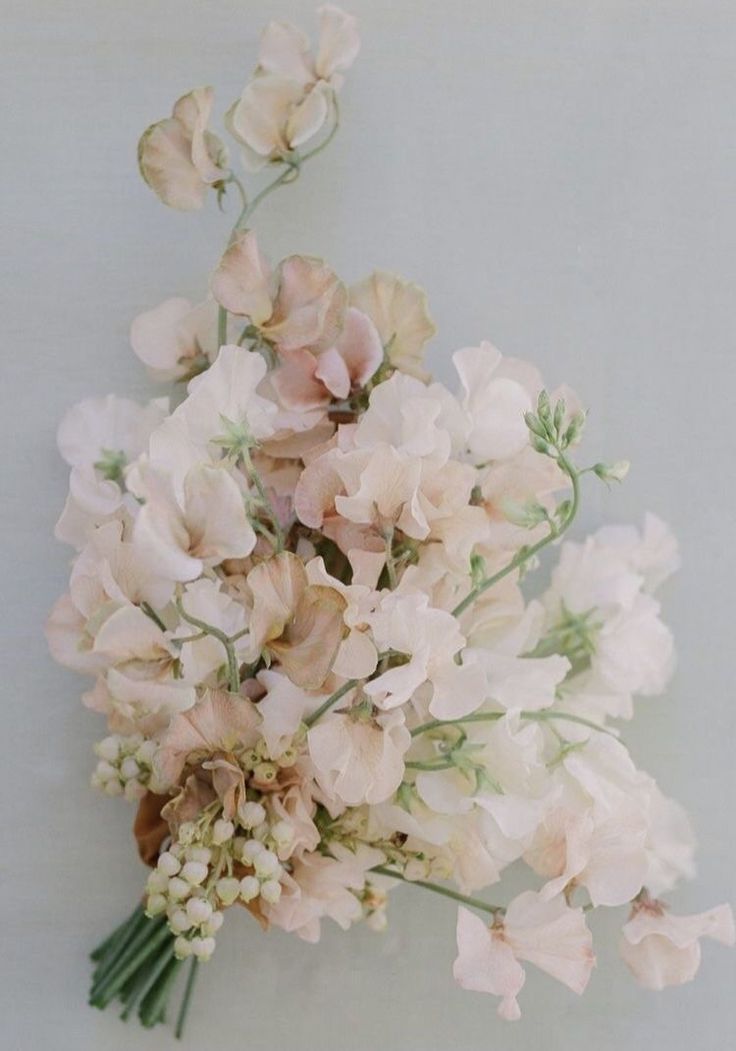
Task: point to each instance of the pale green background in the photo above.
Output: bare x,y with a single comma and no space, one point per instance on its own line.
560,175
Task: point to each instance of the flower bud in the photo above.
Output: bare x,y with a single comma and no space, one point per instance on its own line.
155,905
108,748
199,910
182,948
251,814
129,768
271,891
195,872
222,831
266,864
203,947
282,833
179,921
179,888
227,889
250,888
251,850
168,864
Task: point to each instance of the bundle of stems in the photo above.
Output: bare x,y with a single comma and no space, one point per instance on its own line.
137,966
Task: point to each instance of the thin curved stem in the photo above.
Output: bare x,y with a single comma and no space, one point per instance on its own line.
526,553
474,903
289,174
486,717
233,672
331,700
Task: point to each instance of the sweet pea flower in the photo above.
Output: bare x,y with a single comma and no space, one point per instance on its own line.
549,934
323,887
179,157
284,49
219,722
496,393
301,307
292,94
142,676
431,638
359,757
177,339
307,378
661,949
98,438
178,536
399,310
275,116
296,623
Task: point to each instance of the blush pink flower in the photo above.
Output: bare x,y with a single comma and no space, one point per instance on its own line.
661,949
179,157
549,934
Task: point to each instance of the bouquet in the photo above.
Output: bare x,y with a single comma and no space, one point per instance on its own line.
301,590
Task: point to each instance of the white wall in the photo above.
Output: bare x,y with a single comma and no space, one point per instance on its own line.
560,176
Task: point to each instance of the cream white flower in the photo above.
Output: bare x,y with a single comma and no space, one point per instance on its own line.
358,757
549,934
662,949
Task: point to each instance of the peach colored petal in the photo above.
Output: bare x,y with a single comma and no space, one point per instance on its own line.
218,722
242,280
310,642
399,311
276,586
310,305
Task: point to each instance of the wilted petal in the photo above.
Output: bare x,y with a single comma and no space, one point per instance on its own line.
399,311
218,722
276,586
310,305
178,157
309,643
242,281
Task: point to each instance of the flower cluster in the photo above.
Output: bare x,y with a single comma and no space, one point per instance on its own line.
298,595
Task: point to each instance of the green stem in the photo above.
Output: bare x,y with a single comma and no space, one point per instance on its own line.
154,1002
442,764
526,553
151,612
331,700
210,629
257,481
184,1009
104,947
474,903
484,717
108,989
289,174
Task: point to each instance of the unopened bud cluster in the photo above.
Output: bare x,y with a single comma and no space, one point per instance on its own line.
202,873
124,767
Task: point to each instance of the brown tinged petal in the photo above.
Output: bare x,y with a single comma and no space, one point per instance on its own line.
150,828
242,281
178,157
276,585
310,305
398,309
218,722
309,644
